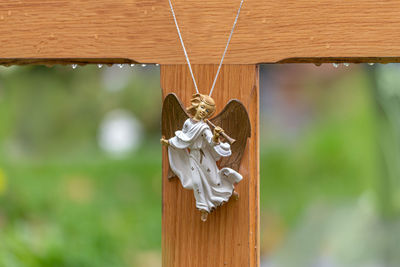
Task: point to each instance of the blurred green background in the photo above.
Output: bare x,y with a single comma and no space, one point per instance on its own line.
80,166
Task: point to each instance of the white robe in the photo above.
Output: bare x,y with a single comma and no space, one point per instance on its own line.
192,157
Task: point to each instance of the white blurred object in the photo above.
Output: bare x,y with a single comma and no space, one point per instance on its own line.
120,133
116,78
8,69
388,79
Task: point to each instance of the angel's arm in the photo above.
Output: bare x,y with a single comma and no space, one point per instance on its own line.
218,149
173,116
209,137
164,142
213,137
179,140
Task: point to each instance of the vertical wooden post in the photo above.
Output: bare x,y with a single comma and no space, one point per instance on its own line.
230,237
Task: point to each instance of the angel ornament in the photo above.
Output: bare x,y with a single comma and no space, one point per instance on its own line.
197,155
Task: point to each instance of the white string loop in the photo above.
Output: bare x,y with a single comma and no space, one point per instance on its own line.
223,55
183,45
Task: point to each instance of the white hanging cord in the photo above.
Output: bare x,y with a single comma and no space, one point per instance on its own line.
223,55
226,48
183,46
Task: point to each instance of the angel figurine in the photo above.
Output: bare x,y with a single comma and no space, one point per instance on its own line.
195,151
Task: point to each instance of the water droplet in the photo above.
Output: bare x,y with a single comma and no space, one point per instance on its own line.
132,65
157,64
371,64
335,65
100,66
74,66
120,66
144,65
346,64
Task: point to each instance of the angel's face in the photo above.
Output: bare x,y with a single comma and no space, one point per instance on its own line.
203,111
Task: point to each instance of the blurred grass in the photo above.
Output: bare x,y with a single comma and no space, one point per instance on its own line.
93,212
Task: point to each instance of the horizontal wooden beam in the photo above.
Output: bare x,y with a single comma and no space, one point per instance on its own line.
65,31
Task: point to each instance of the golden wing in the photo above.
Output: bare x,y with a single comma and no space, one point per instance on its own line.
173,117
234,120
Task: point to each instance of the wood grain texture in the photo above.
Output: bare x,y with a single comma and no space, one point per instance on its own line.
65,31
230,237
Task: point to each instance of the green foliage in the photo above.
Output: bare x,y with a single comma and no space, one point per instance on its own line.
62,201
331,159
94,212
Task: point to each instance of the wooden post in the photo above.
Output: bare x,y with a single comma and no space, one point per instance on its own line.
230,237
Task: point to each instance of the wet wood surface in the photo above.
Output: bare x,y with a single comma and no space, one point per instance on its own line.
74,31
